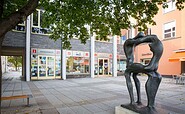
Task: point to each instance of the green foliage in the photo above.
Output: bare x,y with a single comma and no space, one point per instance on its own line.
69,18
16,61
10,6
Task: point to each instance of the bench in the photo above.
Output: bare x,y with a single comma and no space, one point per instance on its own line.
18,97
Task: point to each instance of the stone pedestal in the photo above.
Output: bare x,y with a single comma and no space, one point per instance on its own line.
121,110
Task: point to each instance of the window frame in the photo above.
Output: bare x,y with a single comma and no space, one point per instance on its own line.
171,29
171,8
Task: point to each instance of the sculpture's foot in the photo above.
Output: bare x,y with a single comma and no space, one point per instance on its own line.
133,106
148,110
140,108
139,103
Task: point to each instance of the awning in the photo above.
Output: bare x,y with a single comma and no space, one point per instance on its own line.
178,56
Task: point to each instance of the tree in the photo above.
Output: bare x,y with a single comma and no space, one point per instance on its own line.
67,18
16,61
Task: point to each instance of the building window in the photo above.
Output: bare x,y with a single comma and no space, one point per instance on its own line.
171,6
122,39
169,29
77,62
145,61
37,23
129,34
148,31
20,26
77,65
45,64
121,65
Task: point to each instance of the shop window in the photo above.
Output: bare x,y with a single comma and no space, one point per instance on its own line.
169,29
121,65
34,65
171,6
42,66
50,66
58,67
77,65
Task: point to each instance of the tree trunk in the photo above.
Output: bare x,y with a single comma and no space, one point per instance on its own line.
10,22
13,19
0,72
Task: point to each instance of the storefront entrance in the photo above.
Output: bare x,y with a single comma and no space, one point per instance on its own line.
103,66
46,66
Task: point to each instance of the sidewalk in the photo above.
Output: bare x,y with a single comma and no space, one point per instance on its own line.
84,95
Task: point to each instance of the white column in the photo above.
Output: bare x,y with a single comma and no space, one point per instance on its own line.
114,66
28,48
64,65
92,55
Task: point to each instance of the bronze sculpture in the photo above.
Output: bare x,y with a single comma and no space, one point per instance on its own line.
154,78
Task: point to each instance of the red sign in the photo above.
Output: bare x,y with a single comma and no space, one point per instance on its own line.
110,56
68,53
34,51
86,54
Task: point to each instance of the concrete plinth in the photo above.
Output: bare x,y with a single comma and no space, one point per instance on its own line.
121,110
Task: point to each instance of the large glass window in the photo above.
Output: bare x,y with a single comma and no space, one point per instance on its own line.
57,68
121,65
42,66
76,65
50,66
34,65
169,29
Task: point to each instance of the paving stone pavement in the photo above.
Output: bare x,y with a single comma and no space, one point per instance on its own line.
84,95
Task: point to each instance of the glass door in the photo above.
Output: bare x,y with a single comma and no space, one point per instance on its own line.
103,66
50,66
100,66
42,66
46,67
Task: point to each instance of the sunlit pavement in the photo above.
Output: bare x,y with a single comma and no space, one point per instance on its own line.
84,95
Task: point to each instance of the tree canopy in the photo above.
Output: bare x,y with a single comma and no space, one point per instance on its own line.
16,61
72,18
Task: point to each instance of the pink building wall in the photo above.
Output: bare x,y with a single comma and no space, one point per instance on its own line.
170,44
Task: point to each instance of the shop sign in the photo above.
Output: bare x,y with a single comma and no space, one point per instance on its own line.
78,54
68,53
146,54
86,54
33,51
110,56
58,52
46,52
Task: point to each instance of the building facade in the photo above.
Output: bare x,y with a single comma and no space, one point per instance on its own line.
42,57
170,29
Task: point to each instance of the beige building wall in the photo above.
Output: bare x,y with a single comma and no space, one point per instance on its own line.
170,44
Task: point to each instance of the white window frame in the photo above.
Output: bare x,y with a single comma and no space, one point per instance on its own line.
39,22
38,11
171,6
169,25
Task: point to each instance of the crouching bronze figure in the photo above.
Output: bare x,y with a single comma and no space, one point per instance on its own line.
132,69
